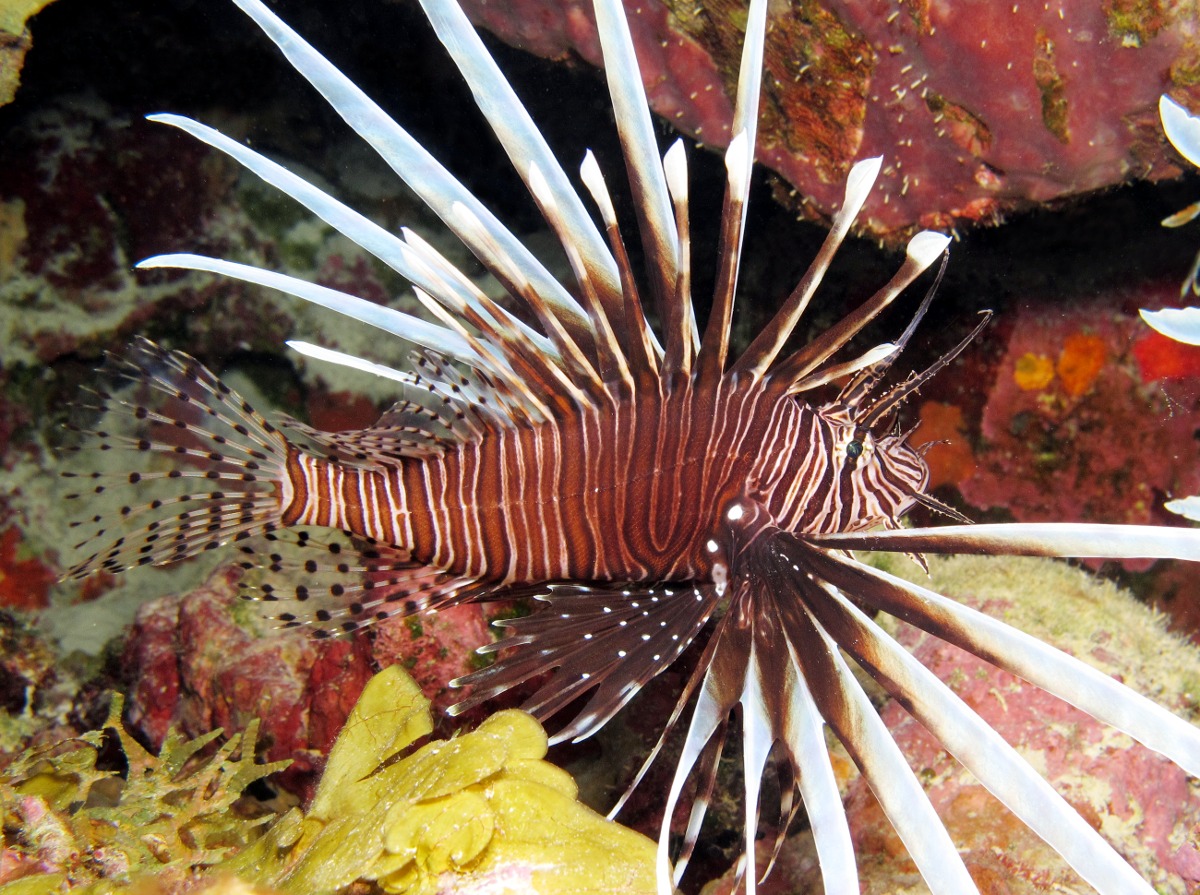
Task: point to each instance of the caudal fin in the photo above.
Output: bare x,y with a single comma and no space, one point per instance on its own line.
175,463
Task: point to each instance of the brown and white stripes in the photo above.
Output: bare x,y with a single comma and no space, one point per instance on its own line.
631,491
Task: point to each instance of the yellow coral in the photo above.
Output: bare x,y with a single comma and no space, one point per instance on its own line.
481,811
1033,372
14,13
14,42
89,830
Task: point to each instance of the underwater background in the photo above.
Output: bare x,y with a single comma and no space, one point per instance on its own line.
1067,408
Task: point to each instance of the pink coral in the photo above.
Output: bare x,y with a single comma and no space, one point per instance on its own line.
1113,781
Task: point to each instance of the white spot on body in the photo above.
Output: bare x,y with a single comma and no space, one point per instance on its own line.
720,576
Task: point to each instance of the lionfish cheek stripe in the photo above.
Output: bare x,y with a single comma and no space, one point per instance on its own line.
650,487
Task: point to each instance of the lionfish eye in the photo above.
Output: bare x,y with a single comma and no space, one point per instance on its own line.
854,449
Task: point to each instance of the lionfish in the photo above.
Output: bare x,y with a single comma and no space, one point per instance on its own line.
657,492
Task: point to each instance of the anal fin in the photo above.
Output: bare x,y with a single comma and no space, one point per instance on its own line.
333,583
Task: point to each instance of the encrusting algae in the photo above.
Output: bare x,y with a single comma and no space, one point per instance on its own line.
71,824
481,812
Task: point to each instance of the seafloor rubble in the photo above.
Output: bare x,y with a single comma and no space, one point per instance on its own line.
1067,407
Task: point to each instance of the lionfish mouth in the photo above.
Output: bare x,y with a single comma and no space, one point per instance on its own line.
638,480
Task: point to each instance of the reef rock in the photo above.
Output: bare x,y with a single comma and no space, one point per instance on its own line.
1017,103
207,660
1090,416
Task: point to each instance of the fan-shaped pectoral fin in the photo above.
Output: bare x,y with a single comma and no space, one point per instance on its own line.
769,564
778,708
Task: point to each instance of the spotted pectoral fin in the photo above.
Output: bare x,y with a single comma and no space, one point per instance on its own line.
601,642
331,583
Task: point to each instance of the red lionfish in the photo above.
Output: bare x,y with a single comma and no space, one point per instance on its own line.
647,485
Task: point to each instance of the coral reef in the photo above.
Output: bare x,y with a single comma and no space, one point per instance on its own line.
976,115
71,824
482,812
1088,417
478,813
24,578
86,192
207,660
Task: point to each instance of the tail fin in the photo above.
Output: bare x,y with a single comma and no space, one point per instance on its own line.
179,463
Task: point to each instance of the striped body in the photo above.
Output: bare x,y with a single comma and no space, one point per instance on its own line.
629,492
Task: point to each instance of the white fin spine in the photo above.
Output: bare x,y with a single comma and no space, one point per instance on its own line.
640,146
610,356
680,319
980,749
413,163
523,401
1180,324
644,358
766,346
858,725
1026,656
1181,128
453,289
879,354
397,323
349,361
811,356
575,362
739,164
521,139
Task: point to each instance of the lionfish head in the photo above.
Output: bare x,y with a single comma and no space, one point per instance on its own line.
879,477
